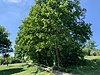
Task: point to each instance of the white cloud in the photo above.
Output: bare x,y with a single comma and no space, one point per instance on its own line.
13,1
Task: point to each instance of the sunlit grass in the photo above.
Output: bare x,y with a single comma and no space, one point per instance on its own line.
92,57
22,69
92,67
15,69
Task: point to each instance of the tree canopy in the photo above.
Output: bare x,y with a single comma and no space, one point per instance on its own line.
53,33
5,43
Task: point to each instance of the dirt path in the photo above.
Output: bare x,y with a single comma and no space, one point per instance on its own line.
61,73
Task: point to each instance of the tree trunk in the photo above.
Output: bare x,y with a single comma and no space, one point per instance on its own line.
57,56
7,61
89,52
54,60
46,58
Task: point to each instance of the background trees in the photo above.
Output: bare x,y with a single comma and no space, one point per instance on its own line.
53,33
90,49
5,44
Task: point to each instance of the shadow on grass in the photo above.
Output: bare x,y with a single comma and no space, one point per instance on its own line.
11,71
92,67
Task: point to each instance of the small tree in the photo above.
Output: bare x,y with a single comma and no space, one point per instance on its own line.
5,44
89,47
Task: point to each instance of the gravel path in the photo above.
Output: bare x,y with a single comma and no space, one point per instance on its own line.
61,73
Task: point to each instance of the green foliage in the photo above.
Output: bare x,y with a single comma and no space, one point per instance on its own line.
5,44
90,46
95,53
11,60
92,67
14,60
1,60
53,33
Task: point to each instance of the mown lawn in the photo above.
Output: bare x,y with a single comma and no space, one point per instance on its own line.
21,69
92,57
15,69
91,68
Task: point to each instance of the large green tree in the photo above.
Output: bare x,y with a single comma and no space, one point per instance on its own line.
53,33
5,44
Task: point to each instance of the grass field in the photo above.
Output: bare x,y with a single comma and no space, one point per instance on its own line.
92,57
21,69
15,69
92,68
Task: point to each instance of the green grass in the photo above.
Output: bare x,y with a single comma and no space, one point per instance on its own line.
21,69
91,68
92,57
15,69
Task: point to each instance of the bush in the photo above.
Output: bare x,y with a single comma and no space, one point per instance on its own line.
14,60
4,61
95,53
11,60
1,61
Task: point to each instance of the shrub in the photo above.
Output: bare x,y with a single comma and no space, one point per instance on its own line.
95,53
14,60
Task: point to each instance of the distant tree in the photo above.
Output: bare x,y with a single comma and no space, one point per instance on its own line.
89,47
54,31
5,44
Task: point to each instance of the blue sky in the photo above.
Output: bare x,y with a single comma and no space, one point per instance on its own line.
92,16
13,11
11,14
